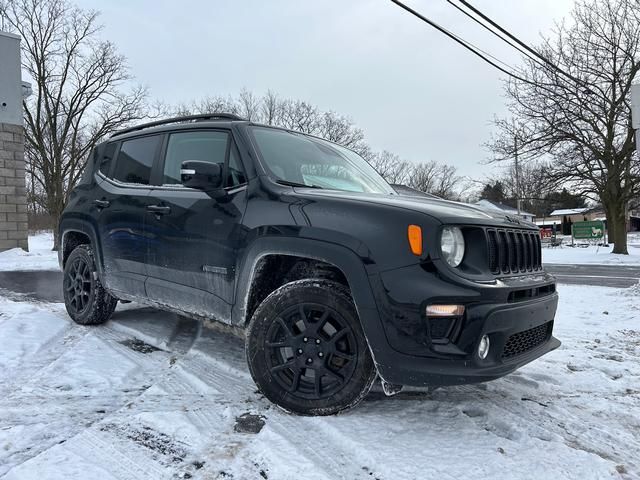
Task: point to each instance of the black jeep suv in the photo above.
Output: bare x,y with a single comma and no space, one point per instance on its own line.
335,278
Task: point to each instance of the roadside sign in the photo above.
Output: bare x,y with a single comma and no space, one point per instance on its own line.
546,232
588,230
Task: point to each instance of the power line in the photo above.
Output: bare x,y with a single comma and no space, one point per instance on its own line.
517,40
484,55
466,44
483,25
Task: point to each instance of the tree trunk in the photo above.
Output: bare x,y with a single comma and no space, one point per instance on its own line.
56,238
620,221
56,213
611,234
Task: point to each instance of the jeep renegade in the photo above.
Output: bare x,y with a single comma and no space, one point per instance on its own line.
334,277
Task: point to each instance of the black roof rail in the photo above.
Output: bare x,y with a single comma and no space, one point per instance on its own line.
185,118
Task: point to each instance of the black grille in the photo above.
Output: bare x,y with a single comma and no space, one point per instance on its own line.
522,342
513,251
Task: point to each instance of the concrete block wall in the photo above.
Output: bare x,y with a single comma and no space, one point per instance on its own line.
14,229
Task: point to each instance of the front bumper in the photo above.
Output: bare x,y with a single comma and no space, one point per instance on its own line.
413,356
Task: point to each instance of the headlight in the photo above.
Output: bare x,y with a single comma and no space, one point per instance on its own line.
452,245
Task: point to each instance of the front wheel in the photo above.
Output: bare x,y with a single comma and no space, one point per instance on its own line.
86,300
306,349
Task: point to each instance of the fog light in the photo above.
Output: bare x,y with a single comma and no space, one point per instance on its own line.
483,348
445,310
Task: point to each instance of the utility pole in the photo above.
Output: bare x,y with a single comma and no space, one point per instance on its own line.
515,149
635,109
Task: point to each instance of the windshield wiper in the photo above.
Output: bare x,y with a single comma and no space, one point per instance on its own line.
295,184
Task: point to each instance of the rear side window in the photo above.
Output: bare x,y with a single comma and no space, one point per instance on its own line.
135,160
205,146
107,158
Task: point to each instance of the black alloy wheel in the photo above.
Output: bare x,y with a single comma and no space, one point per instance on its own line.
78,285
306,349
86,300
311,350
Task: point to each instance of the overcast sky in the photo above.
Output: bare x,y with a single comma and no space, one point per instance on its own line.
412,90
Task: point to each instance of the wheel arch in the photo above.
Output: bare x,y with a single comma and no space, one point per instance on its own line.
342,258
74,232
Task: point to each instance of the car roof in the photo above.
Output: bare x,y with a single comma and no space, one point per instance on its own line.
191,122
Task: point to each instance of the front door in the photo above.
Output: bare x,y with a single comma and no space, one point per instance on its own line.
121,202
192,238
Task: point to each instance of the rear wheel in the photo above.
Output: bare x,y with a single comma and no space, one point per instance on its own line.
86,300
306,349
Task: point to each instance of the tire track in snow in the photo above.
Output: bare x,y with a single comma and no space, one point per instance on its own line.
124,459
46,354
505,412
304,436
69,415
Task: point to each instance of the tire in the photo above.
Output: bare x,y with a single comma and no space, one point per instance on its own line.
306,349
86,300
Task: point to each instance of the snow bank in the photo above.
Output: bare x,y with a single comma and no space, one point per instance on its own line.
590,255
77,402
566,254
39,257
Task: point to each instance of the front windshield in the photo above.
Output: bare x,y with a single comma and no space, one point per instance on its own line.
300,159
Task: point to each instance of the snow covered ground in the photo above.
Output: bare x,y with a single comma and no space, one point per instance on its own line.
593,254
148,395
39,256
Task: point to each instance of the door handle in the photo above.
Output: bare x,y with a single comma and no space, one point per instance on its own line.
159,209
101,204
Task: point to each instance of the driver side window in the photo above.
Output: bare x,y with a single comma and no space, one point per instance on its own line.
205,146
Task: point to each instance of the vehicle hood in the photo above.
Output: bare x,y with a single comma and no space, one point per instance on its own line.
443,210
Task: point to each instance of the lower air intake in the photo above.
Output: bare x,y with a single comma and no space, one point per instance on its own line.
522,342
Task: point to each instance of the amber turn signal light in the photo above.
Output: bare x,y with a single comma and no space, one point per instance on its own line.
414,233
445,310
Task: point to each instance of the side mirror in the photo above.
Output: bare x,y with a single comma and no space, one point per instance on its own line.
204,176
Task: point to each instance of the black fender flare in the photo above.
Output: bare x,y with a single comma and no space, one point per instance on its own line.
339,256
80,225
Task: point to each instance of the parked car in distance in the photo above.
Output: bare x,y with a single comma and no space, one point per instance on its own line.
335,279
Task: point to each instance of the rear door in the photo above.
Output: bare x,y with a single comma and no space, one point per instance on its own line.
192,238
121,207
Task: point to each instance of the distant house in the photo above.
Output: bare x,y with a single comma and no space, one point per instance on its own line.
485,204
576,214
563,218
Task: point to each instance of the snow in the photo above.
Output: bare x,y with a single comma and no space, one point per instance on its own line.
594,255
89,402
39,257
569,211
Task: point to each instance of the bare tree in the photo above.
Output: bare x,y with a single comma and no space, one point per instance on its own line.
270,108
296,115
77,97
249,105
391,167
339,129
300,116
532,184
436,178
584,126
216,104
